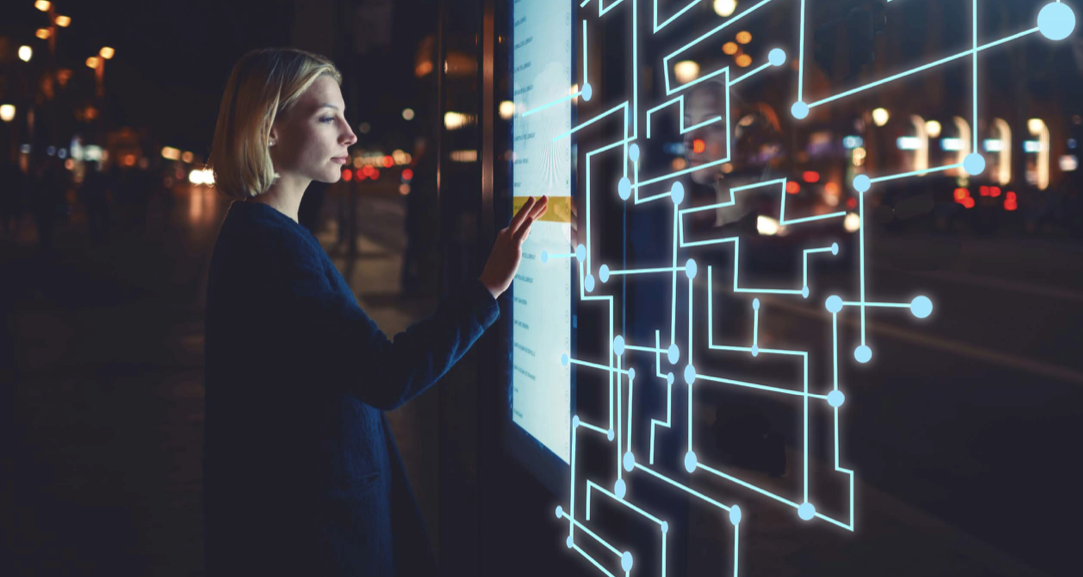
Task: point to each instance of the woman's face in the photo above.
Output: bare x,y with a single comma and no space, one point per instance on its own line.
700,106
312,137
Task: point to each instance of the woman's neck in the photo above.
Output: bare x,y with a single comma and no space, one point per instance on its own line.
284,195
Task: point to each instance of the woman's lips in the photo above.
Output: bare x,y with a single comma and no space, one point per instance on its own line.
339,159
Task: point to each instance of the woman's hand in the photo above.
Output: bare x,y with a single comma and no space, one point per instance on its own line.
508,250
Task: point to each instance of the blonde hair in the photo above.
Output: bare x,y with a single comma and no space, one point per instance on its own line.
264,84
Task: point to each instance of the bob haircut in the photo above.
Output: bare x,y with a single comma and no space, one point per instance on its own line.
264,84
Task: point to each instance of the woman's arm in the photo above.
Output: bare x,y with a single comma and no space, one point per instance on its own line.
334,331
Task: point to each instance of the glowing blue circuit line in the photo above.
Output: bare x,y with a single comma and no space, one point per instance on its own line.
644,270
683,487
805,359
974,146
622,106
808,251
593,428
603,12
643,349
689,417
571,506
761,387
584,297
553,103
750,73
592,560
669,395
619,430
731,20
658,27
861,258
586,77
869,304
680,113
690,347
923,68
597,366
631,393
746,485
591,533
755,327
591,485
850,473
801,55
553,256
673,292
915,173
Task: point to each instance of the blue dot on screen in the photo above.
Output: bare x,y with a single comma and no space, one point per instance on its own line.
581,253
755,351
836,398
804,292
610,434
689,374
633,152
690,268
834,248
777,57
735,515
755,304
575,421
863,354
673,354
564,359
834,304
570,542
588,283
603,273
799,110
670,379
588,92
560,511
620,489
624,188
862,183
921,307
1056,21
806,511
690,461
618,345
974,164
629,461
626,561
631,374
677,192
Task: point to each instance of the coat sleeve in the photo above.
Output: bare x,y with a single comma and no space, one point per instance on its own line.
335,332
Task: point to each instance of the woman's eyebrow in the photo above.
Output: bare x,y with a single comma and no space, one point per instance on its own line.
322,106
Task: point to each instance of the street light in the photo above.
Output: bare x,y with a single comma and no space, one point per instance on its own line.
25,52
106,52
63,21
43,5
92,62
7,112
43,33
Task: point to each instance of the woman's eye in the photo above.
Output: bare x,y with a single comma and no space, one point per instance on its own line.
327,119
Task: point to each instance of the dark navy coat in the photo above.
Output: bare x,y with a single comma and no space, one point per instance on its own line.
301,474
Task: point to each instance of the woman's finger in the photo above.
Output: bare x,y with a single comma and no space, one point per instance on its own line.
523,232
522,215
540,208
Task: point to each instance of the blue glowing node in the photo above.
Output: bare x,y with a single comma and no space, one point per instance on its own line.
587,91
735,515
560,511
633,152
690,268
588,283
570,542
631,374
626,561
689,374
755,351
835,248
629,461
834,304
581,253
836,398
806,511
974,164
921,307
665,527
564,359
690,461
777,57
804,292
1056,21
799,110
620,489
618,345
863,354
670,379
624,188
862,183
603,273
544,256
575,422
755,304
673,355
610,434
677,192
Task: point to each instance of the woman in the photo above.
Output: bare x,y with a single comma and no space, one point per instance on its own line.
301,474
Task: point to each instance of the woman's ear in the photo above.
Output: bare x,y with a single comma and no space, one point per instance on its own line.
272,136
